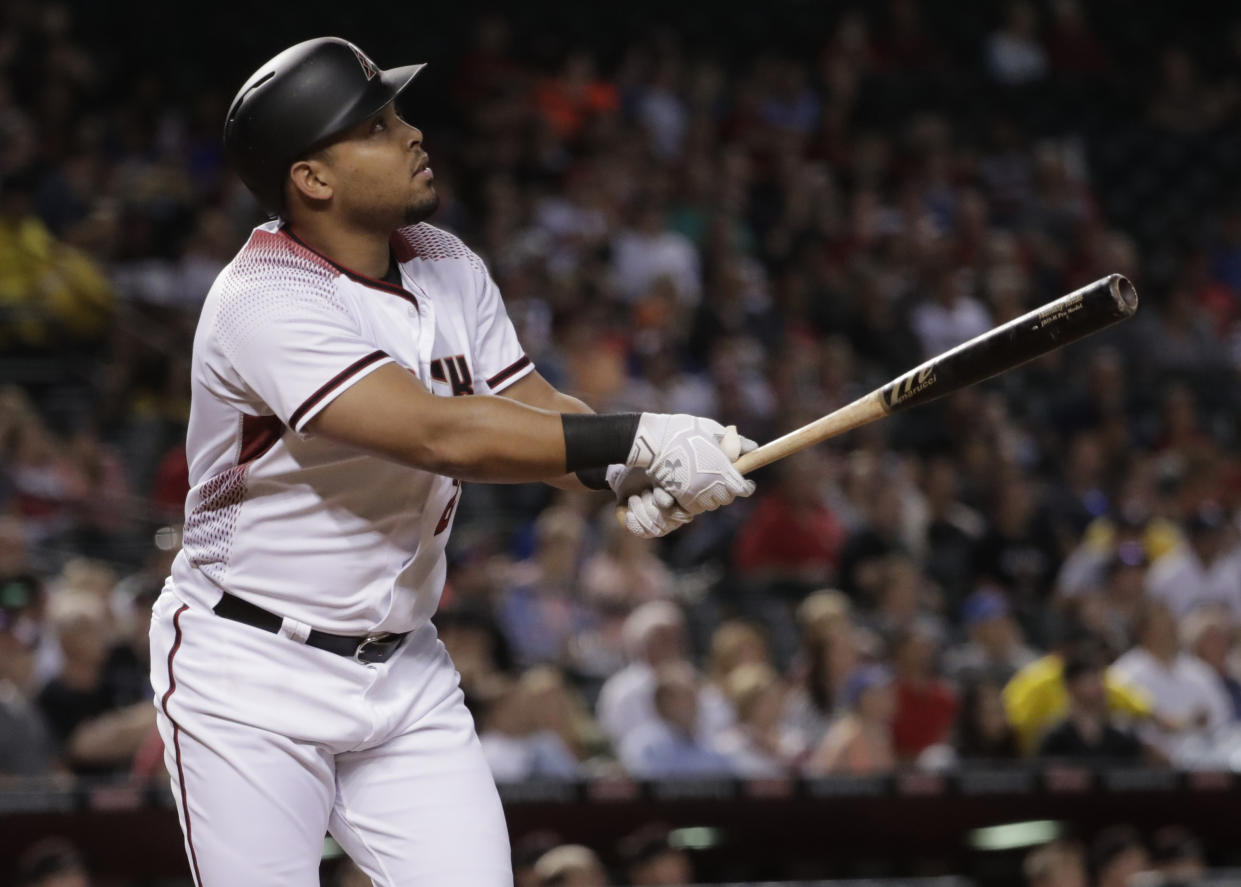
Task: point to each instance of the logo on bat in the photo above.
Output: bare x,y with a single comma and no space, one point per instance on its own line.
914,382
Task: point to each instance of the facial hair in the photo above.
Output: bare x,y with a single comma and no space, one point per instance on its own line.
421,210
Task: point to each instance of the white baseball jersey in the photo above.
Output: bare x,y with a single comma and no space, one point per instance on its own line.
321,533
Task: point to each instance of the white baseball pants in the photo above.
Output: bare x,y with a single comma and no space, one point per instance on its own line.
271,744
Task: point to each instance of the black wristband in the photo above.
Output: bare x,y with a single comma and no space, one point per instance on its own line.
597,441
593,478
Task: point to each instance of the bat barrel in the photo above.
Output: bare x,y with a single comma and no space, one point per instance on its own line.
1081,313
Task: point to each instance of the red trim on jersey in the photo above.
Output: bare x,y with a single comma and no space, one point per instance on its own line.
258,435
332,383
372,282
515,367
401,247
176,742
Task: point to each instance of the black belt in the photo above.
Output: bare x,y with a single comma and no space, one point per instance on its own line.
367,648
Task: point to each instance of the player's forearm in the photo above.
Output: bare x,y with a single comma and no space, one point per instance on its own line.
492,439
536,392
473,437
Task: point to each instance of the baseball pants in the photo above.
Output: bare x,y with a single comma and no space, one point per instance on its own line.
271,744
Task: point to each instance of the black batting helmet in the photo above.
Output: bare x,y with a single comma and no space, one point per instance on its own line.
299,99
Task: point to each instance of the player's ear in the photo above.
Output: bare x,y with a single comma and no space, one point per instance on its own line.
311,178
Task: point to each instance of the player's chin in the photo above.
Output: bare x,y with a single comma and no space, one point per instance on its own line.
422,207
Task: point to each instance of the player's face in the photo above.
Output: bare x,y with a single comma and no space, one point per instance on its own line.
383,177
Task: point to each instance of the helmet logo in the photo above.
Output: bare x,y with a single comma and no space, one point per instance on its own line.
368,67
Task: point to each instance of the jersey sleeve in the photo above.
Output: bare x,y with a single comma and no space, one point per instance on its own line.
498,355
297,353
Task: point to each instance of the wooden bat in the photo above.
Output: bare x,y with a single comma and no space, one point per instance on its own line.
1081,313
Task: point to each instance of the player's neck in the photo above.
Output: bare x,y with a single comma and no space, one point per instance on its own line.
362,252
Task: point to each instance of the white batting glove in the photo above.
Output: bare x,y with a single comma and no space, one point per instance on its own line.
650,512
684,455
654,513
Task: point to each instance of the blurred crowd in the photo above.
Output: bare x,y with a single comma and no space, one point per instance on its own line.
1045,565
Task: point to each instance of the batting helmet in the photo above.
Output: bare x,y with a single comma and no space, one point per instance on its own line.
299,99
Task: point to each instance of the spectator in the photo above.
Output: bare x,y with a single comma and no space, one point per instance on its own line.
1014,55
925,705
625,572
860,742
1118,856
53,293
654,636
791,538
901,598
952,529
540,612
1208,634
734,643
1037,697
1015,553
1177,856
1058,864
53,862
1183,104
478,648
1088,732
515,746
568,102
983,731
1183,692
26,744
646,252
527,851
570,865
554,706
1072,48
880,536
651,859
829,653
670,745
759,743
951,316
995,650
1121,594
97,732
1207,569
907,45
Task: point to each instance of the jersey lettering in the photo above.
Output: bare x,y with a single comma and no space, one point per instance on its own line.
458,373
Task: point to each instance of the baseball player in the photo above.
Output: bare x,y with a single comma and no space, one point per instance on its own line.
344,381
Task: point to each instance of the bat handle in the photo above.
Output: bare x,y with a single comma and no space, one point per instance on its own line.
864,410
745,465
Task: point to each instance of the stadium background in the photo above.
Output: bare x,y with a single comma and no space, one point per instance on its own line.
751,211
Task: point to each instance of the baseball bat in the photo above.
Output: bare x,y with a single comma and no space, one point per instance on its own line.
1081,313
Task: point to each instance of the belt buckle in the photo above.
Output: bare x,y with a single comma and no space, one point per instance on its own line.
372,640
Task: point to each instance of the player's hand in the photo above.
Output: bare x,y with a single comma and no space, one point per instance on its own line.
685,456
650,512
653,513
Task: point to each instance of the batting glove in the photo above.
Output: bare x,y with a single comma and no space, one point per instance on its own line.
685,456
654,513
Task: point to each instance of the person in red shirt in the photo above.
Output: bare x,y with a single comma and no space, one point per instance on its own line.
926,706
791,536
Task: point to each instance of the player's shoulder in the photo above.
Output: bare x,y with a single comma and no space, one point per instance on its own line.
272,276
428,243
273,262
